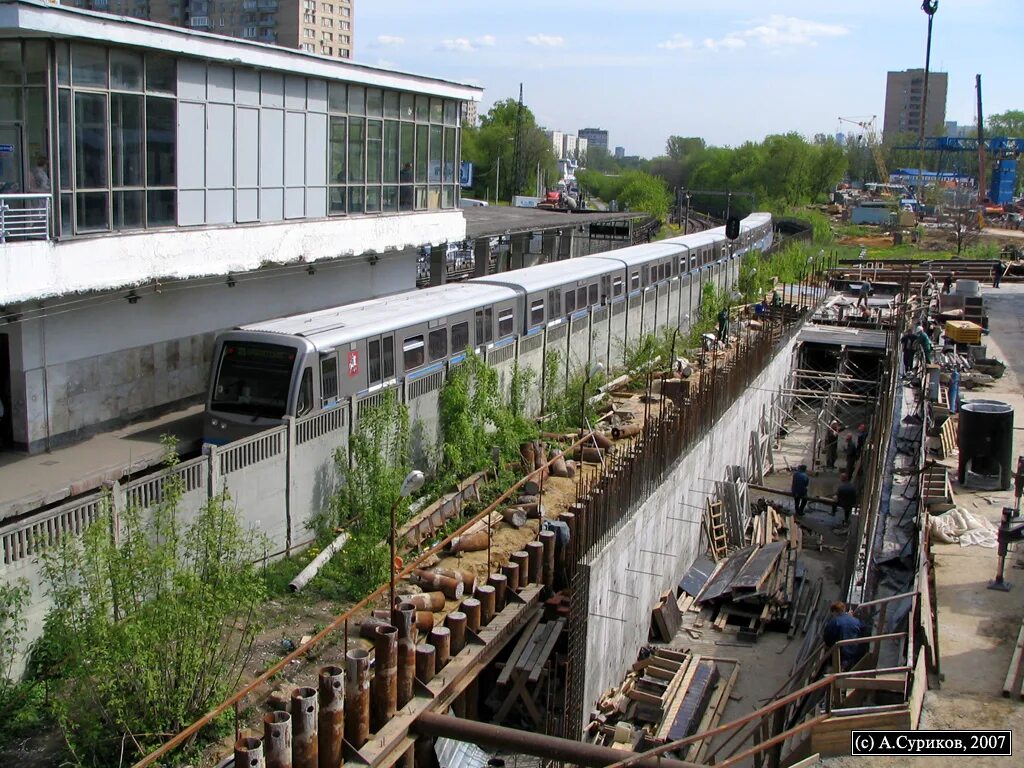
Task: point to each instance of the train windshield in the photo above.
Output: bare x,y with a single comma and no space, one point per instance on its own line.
253,379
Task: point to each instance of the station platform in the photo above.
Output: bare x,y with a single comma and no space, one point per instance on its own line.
28,483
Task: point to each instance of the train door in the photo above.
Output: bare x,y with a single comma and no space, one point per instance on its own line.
380,361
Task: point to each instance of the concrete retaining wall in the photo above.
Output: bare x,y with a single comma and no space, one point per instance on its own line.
654,548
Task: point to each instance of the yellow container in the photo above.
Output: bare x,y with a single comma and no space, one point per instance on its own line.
963,332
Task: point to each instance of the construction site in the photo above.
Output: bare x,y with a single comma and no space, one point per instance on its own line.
653,592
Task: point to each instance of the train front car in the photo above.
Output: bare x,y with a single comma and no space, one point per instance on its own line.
256,380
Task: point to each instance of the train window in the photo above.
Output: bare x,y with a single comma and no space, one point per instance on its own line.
304,403
328,378
460,337
554,303
412,351
592,293
373,361
617,286
581,296
693,262
484,326
570,302
388,360
505,323
646,272
437,344
634,281
537,312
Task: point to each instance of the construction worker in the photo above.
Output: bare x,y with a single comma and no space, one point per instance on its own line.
998,270
832,443
850,451
928,287
863,292
801,482
846,497
723,324
862,434
845,626
924,344
947,282
907,342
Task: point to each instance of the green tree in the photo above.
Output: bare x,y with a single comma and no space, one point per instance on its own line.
1009,124
644,192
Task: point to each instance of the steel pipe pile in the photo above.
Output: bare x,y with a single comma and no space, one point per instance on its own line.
384,686
331,722
357,697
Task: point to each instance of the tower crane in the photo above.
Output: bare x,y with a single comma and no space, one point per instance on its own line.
871,137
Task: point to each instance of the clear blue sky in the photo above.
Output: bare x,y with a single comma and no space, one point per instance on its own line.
727,70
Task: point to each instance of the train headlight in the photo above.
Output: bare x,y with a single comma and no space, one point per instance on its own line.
223,425
214,423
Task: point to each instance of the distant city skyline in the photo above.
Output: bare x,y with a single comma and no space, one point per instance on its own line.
728,71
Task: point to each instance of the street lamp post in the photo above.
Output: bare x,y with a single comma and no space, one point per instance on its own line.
412,483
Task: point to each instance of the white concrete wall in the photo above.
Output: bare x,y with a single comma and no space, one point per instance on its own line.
612,645
40,269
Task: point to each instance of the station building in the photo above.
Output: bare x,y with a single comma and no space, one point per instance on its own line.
159,184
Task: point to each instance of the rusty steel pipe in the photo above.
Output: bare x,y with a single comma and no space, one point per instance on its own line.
357,697
499,583
535,549
425,662
424,601
485,593
471,607
547,538
406,618
456,623
331,722
440,638
549,747
249,752
304,723
424,749
277,739
451,587
384,686
468,578
522,559
470,542
511,573
424,619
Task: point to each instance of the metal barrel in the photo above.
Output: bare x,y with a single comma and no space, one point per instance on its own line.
522,559
535,549
277,739
249,752
357,697
425,662
405,618
547,538
441,639
485,594
384,688
499,582
471,607
456,623
331,723
511,573
304,722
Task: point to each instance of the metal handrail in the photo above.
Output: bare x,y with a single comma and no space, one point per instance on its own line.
24,216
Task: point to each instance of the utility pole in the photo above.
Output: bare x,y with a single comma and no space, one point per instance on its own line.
517,155
929,7
981,147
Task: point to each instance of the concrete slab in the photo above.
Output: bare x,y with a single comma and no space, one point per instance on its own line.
30,482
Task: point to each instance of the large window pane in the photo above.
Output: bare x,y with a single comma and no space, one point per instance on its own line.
434,164
355,199
422,140
160,142
89,65
63,63
436,110
374,102
10,62
391,104
390,200
448,196
373,199
451,113
356,150
407,106
422,108
374,132
35,62
125,71
391,164
433,198
337,97
449,155
10,103
128,209
356,100
160,207
337,204
126,139
161,74
90,141
336,167
64,137
91,211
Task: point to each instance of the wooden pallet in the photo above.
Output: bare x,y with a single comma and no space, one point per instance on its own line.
948,440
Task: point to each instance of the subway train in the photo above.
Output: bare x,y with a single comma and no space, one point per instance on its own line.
587,310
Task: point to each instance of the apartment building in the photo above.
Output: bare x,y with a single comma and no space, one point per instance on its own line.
904,97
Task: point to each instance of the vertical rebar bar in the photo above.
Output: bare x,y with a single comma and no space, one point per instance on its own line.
331,722
304,724
357,697
277,739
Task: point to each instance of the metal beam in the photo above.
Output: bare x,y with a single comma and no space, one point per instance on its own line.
530,743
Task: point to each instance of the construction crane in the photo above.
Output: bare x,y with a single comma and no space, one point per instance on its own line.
871,137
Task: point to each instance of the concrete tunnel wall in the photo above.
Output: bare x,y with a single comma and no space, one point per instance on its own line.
613,643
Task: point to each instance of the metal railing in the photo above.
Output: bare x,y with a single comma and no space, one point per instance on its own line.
24,217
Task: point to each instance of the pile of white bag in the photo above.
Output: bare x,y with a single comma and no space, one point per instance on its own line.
958,526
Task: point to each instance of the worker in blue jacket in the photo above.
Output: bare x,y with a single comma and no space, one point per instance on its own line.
845,626
801,482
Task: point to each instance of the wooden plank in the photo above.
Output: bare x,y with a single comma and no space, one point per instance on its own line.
831,738
517,651
671,654
894,682
721,581
759,568
696,576
540,635
713,714
644,697
674,699
549,646
695,700
917,690
1013,675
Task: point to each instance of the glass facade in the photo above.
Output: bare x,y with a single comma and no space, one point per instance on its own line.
144,139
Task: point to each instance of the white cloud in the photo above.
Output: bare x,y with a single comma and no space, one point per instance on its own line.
778,32
486,41
546,41
677,41
390,40
465,45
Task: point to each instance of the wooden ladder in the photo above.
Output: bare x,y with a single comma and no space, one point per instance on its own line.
717,536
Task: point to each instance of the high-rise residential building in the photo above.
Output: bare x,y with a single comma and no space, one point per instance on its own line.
569,146
556,138
596,137
620,152
470,114
314,26
904,97
581,149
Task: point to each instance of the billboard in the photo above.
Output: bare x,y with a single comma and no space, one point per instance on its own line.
466,174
